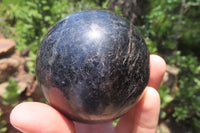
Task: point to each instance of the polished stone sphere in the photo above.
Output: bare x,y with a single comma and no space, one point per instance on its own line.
92,66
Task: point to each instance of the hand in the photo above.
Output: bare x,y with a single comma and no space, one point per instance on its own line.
33,117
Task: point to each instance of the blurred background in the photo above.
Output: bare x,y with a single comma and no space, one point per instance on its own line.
171,29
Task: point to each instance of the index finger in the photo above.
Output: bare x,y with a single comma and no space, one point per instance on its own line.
143,117
157,71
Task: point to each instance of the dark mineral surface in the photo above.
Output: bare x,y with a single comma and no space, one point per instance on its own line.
92,66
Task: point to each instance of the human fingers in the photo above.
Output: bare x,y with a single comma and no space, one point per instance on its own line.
34,117
157,71
143,117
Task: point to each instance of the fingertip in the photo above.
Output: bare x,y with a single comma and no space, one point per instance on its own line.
143,117
150,100
158,60
15,117
148,110
157,71
35,117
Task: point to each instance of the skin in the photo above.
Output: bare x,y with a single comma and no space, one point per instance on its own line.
35,117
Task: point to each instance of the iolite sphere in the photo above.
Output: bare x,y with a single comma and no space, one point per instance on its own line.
92,66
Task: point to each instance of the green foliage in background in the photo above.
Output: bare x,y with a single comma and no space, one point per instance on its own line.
170,28
187,100
173,24
10,96
3,127
185,105
162,23
190,40
165,98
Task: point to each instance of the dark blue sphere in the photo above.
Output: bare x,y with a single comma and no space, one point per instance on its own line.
92,66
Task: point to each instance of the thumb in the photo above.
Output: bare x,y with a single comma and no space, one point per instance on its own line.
33,117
